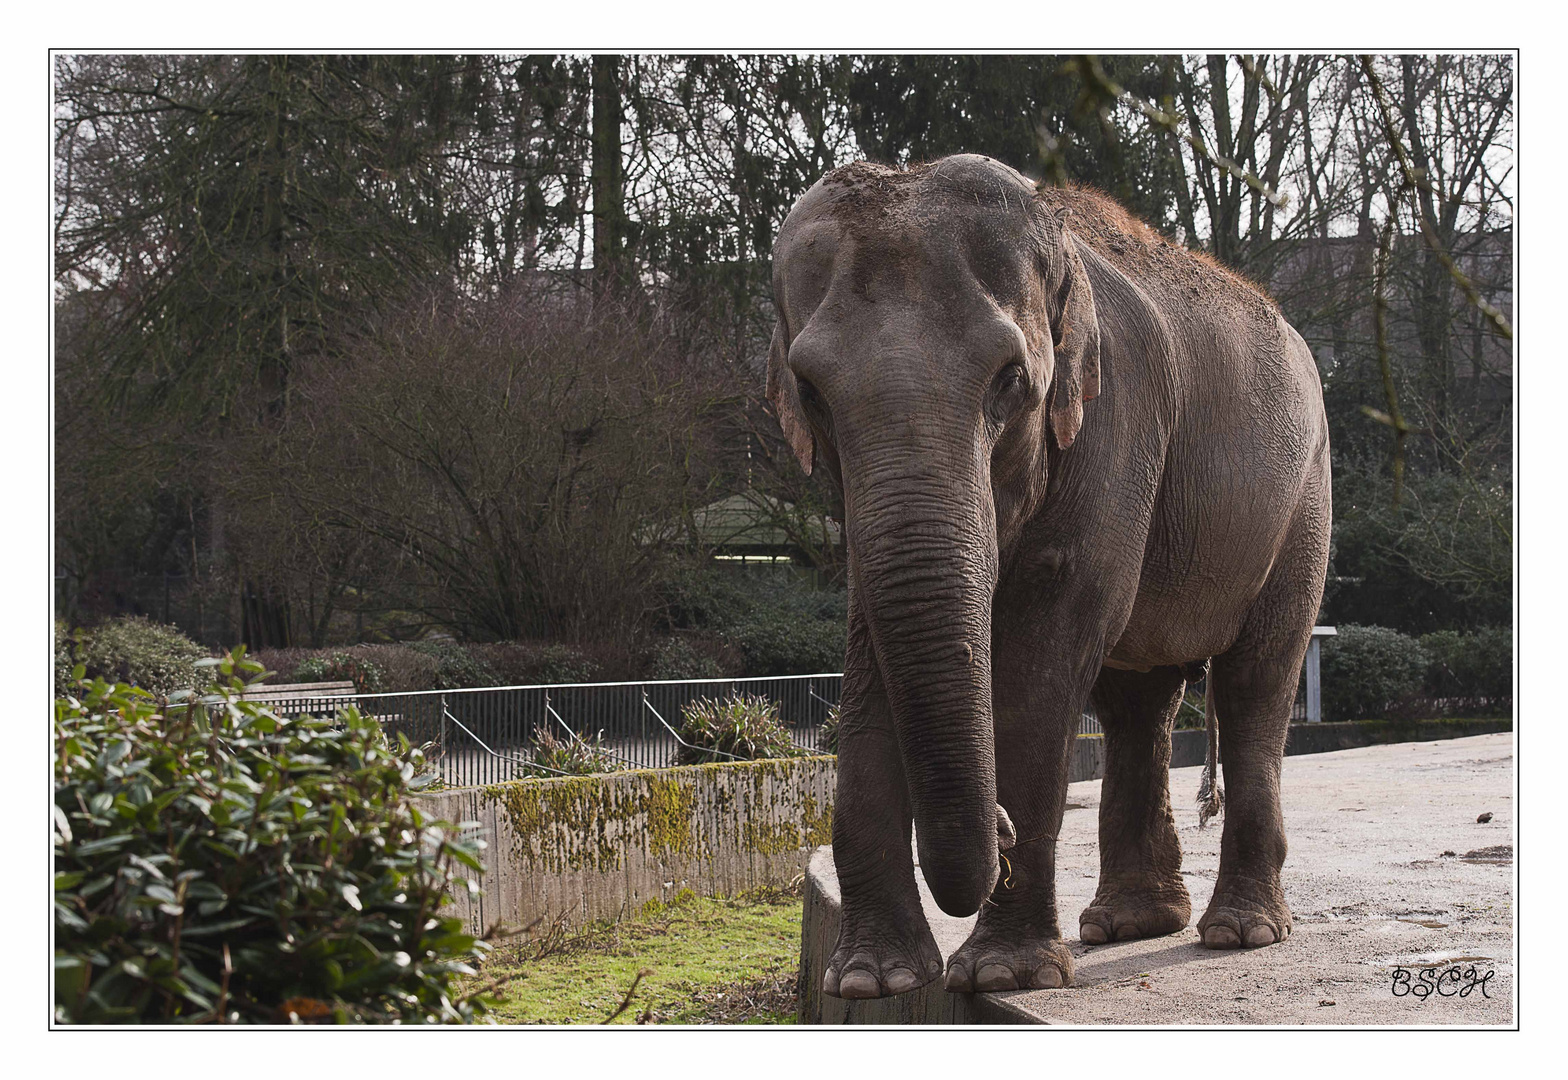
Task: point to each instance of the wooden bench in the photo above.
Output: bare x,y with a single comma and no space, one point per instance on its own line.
311,693
268,693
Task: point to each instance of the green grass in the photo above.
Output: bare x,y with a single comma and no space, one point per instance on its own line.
706,961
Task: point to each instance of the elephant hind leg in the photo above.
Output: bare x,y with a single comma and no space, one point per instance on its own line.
1141,892
1254,687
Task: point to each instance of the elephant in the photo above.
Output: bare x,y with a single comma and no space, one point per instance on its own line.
1077,462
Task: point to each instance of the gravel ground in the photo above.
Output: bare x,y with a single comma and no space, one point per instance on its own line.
1388,869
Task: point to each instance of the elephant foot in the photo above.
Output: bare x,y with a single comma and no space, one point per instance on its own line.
1240,916
989,962
1123,913
880,964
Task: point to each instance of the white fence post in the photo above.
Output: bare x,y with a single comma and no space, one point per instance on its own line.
1314,673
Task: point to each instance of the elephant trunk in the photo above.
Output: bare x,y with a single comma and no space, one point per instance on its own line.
923,563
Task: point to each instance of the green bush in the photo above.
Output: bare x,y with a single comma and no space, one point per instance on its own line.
785,644
456,667
1369,671
1477,668
553,757
527,663
366,675
563,664
674,658
215,862
740,726
778,623
135,650
827,734
63,660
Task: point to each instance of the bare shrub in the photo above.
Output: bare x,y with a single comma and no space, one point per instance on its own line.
522,462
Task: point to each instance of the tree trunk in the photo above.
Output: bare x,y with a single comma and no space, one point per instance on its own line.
609,182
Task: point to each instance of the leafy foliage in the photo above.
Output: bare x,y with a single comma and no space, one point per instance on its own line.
1475,668
563,664
456,667
739,726
63,660
827,734
573,757
214,862
1367,670
135,650
367,677
674,658
779,624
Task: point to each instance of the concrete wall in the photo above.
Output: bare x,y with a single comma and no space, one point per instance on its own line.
595,847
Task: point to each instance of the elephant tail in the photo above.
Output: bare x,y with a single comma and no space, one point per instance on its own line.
1211,795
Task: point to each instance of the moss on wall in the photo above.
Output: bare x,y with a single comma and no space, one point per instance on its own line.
595,822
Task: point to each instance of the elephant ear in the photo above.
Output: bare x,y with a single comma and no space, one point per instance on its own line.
1076,334
784,395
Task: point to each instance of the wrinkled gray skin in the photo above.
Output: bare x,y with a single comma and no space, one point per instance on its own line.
1074,458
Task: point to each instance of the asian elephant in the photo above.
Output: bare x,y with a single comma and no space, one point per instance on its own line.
1076,461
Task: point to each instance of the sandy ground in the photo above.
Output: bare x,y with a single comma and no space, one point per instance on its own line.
1388,869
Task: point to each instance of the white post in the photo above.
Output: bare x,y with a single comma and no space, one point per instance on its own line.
1314,684
1314,673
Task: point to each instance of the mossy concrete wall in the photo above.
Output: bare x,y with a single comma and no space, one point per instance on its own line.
595,847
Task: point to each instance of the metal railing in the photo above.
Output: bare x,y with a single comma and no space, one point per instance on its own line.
490,734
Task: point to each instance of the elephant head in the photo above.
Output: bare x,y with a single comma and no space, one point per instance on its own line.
936,340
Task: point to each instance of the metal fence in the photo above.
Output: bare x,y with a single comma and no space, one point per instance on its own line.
488,735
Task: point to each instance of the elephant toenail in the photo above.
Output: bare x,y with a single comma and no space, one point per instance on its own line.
995,977
900,981
1046,978
830,983
1126,931
1260,935
1220,937
1092,934
858,984
957,980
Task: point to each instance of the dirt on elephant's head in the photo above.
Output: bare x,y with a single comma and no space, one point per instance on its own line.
868,191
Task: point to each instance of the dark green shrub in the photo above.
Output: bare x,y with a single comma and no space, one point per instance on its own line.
1470,670
739,726
529,663
674,658
777,622
1368,671
366,675
135,650
215,862
456,667
553,757
785,643
63,660
563,664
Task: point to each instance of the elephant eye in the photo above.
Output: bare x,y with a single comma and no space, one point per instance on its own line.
1009,378
815,405
1007,392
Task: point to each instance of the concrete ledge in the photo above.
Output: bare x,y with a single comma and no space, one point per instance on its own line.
928,1005
596,847
1389,873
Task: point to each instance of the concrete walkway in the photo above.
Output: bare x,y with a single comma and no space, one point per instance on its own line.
1388,869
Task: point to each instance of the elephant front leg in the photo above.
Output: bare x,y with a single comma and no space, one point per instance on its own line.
1141,892
884,945
1017,941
